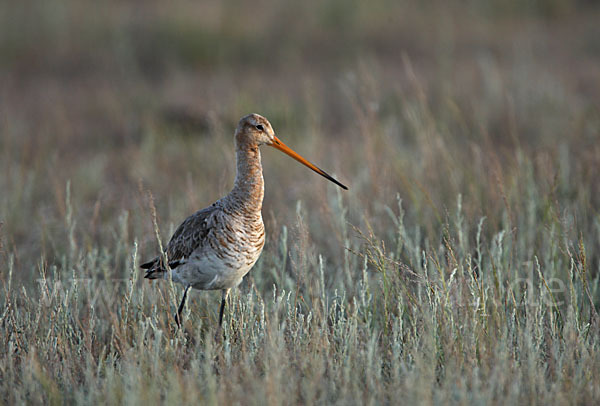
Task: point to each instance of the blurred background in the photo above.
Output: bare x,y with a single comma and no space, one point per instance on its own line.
102,102
461,266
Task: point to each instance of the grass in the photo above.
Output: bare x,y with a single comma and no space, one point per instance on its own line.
461,267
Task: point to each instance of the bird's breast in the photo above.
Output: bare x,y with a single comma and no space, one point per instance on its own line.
239,240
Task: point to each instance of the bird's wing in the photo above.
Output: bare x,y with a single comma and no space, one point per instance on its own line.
190,235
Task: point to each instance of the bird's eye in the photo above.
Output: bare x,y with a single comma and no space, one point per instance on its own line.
259,127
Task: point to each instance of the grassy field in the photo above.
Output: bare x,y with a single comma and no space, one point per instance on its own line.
462,266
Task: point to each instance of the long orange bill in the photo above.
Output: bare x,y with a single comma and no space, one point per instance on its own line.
284,148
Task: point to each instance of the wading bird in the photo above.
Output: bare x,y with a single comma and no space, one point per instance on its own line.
214,248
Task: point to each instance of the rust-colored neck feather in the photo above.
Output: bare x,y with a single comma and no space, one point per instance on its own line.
249,189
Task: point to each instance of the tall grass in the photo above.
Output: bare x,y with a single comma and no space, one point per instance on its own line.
462,266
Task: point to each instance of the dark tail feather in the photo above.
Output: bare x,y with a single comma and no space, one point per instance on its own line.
154,274
149,264
155,269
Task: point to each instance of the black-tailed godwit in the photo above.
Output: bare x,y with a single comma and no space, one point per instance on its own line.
216,247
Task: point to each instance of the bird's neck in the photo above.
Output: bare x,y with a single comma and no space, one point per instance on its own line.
249,189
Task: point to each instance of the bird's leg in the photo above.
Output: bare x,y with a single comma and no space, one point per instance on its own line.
224,294
180,309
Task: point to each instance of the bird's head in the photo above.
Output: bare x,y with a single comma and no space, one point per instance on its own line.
254,130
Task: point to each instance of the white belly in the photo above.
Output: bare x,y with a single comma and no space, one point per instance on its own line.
208,270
